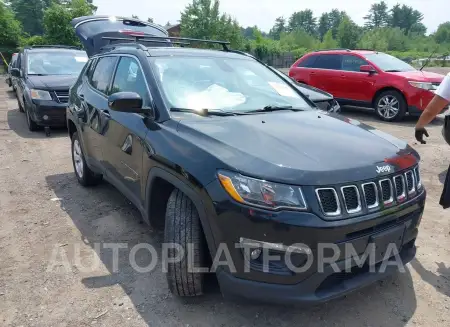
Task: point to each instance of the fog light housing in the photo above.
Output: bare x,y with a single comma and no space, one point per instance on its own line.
45,117
255,254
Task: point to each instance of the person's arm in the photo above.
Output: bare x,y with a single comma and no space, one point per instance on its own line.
432,110
439,101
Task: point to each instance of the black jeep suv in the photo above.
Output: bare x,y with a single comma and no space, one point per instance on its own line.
239,169
42,78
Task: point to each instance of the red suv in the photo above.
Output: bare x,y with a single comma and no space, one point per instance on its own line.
368,79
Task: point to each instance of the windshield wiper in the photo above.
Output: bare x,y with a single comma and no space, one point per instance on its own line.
205,112
274,108
37,74
392,71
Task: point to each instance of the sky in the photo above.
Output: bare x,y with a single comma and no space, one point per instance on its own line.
435,11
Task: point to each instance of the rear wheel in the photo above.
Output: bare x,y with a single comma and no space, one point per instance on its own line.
390,106
85,175
183,228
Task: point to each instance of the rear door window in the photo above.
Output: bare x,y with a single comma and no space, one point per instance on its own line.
102,74
352,63
308,62
329,61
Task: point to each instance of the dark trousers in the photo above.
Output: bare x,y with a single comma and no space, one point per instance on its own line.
445,197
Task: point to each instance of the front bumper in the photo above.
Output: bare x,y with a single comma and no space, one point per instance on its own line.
320,282
49,113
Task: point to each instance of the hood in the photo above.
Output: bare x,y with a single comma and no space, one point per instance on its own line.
95,32
52,82
302,148
420,76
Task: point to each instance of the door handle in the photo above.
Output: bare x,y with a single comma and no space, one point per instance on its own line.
106,113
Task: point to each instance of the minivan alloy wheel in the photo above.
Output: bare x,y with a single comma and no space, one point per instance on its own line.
78,158
388,106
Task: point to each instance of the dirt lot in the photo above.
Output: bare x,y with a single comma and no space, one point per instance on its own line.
42,208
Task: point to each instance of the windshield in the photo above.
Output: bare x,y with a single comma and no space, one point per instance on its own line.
389,63
56,62
223,84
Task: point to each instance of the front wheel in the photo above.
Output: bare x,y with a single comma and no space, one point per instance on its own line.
183,228
390,106
32,126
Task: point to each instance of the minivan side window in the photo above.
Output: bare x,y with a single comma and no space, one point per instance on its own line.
102,74
129,78
329,61
308,62
352,63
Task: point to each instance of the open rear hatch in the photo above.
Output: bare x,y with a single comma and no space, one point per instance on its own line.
96,32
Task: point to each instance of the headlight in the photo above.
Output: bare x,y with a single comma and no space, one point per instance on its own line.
261,193
40,95
423,85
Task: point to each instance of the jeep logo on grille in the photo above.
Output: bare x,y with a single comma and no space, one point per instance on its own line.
383,169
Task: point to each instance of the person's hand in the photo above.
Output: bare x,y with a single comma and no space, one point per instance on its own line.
420,132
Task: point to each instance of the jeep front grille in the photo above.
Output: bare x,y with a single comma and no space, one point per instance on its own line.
369,196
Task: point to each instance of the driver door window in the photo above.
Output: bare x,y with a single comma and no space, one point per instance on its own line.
129,78
352,63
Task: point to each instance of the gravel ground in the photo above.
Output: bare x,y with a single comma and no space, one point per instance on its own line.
44,212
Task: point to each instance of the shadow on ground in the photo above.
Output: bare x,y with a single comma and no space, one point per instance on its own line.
17,123
440,281
368,115
103,215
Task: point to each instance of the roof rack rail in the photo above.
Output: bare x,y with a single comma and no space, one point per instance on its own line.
333,49
53,46
164,39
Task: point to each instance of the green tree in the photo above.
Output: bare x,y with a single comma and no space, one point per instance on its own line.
150,20
442,34
30,13
378,16
335,16
10,28
408,19
202,19
304,20
57,21
328,41
324,25
348,34
278,28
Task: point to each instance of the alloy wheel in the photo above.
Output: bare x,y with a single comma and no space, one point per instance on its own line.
388,106
78,158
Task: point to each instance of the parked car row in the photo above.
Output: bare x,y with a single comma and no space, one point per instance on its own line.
219,149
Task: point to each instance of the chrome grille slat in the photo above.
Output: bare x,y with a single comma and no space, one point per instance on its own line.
328,200
400,188
387,191
62,96
410,182
370,191
351,194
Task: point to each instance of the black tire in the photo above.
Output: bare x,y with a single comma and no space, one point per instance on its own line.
400,100
32,126
87,177
20,106
183,227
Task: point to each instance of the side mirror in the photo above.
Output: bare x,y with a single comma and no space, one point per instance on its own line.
15,72
126,102
367,69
